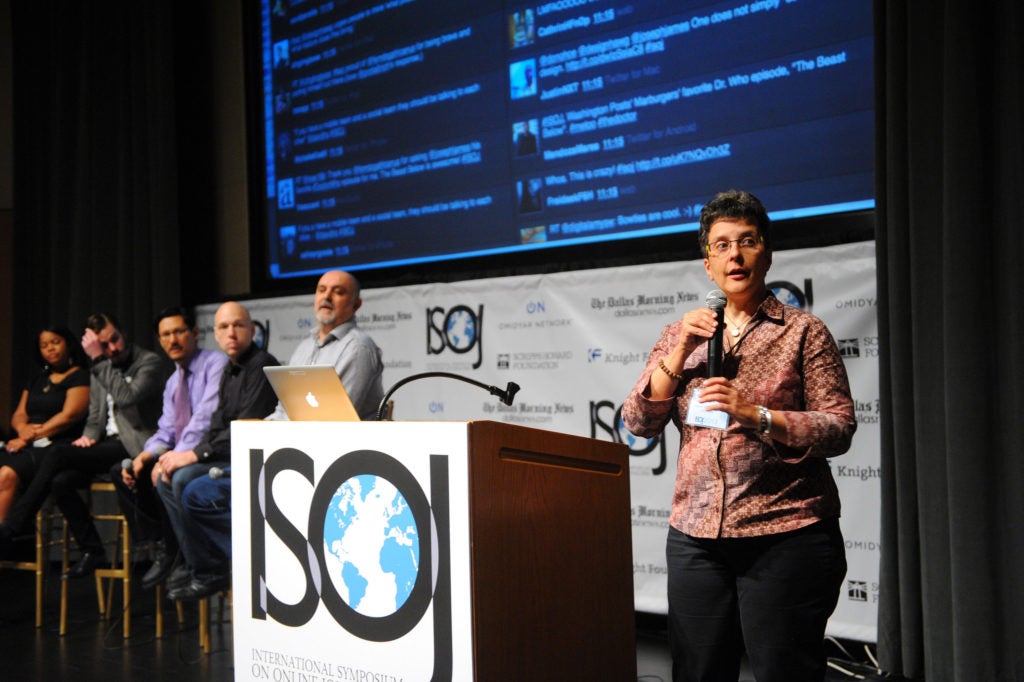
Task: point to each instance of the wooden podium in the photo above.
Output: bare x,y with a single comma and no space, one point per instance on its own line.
532,553
552,556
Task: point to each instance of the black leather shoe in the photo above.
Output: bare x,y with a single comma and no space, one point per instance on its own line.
179,577
86,565
161,568
197,589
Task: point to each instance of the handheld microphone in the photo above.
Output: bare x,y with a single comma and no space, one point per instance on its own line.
128,470
716,301
217,472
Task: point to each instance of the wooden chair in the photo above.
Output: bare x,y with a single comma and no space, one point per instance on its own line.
120,569
204,617
44,523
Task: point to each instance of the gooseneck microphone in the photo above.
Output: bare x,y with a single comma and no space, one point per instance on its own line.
716,301
505,395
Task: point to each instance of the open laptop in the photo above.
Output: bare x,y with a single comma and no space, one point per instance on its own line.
312,393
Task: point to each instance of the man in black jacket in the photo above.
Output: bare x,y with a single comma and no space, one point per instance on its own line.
245,393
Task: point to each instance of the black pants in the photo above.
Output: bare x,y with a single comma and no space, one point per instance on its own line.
146,515
64,470
771,595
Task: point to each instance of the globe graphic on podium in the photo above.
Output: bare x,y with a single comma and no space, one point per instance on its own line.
461,329
371,545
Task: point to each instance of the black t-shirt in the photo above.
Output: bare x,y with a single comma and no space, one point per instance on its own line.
46,398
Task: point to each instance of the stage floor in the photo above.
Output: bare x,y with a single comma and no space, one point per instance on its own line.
93,650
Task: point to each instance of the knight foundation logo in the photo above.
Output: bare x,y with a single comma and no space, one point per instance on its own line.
377,591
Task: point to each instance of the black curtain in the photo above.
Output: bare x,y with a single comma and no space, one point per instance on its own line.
95,223
950,277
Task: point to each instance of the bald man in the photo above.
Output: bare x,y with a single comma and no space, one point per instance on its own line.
244,394
338,341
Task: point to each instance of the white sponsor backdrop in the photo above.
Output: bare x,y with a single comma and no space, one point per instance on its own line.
576,343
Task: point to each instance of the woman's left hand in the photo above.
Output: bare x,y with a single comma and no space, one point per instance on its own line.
717,393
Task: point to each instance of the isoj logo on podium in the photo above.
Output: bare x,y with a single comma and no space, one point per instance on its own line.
375,551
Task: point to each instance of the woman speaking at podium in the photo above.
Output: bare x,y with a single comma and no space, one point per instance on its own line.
754,551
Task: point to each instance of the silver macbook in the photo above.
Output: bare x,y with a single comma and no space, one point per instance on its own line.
313,393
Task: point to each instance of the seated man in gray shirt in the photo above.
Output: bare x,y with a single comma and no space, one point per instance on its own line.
338,341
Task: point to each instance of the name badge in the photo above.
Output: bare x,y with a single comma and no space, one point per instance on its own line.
698,415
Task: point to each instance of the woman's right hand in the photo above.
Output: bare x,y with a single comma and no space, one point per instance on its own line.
28,432
699,325
16,444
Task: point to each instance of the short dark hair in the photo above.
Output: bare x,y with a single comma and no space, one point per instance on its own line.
734,204
75,351
99,321
175,311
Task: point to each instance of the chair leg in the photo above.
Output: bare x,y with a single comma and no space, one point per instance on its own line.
204,624
126,571
42,534
64,581
159,611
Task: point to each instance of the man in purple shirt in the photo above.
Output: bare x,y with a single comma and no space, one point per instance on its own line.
190,397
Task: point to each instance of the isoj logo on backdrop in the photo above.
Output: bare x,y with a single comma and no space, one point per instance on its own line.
377,594
458,330
607,418
791,294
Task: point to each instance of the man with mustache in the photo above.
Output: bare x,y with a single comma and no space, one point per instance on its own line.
202,518
191,395
338,341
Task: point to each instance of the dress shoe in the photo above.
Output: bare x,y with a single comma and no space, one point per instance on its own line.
197,589
179,577
163,564
86,565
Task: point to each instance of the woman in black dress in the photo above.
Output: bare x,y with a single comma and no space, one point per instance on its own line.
52,409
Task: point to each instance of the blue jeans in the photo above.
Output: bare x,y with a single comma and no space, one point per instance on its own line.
170,496
207,516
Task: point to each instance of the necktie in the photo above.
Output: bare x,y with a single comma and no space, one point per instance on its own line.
182,405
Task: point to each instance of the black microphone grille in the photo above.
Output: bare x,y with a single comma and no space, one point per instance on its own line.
715,299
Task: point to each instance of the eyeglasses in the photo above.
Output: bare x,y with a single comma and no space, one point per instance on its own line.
164,336
746,244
